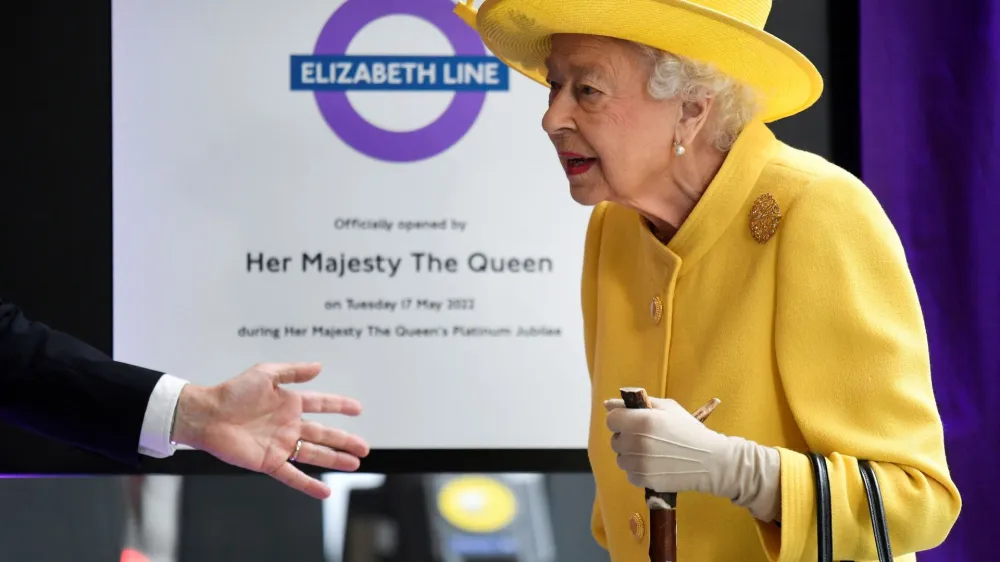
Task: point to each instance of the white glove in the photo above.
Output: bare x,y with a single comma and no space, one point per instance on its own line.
667,450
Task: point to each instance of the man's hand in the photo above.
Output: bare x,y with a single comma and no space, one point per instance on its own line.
250,421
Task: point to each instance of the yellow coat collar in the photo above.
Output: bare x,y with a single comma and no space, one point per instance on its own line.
725,199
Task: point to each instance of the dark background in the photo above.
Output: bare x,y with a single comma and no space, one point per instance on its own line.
56,263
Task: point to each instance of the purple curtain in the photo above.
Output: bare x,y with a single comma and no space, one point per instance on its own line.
930,137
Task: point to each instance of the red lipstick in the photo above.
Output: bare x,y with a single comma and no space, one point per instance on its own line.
576,164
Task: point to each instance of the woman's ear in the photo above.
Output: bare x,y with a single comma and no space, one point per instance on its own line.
694,115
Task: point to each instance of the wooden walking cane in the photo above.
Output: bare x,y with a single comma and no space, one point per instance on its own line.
662,517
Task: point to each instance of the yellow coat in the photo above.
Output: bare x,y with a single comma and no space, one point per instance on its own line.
813,339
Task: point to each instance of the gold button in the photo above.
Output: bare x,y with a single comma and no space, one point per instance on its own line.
636,526
656,309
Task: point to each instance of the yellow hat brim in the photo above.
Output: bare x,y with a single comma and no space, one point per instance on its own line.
519,32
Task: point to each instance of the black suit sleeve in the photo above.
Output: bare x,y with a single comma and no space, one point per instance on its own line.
60,387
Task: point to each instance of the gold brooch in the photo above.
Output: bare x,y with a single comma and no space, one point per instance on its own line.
764,218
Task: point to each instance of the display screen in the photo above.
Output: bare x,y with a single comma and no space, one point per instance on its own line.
358,183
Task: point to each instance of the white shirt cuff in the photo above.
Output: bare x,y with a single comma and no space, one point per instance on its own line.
157,425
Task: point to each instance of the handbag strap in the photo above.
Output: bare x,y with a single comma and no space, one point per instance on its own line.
877,510
824,509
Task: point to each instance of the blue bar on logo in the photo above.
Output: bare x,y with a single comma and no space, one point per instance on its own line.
469,545
339,73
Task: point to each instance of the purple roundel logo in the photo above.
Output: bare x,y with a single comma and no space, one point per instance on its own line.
329,72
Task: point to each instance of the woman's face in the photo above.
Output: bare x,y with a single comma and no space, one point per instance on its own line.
615,142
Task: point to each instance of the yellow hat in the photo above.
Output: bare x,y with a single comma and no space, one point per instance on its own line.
729,34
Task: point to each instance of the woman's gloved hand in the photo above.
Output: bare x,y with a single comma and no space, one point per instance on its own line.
667,450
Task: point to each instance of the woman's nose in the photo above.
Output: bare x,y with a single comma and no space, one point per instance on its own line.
558,116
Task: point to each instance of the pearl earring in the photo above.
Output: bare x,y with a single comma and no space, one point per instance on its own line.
679,149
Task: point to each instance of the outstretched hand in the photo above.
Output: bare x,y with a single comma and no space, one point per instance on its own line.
252,422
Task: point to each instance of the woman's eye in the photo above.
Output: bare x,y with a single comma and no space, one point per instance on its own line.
587,90
553,90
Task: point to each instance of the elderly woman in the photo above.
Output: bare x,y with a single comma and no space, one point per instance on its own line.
720,262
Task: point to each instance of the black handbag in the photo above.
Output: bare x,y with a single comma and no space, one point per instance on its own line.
824,508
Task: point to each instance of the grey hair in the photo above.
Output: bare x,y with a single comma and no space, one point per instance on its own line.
735,104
